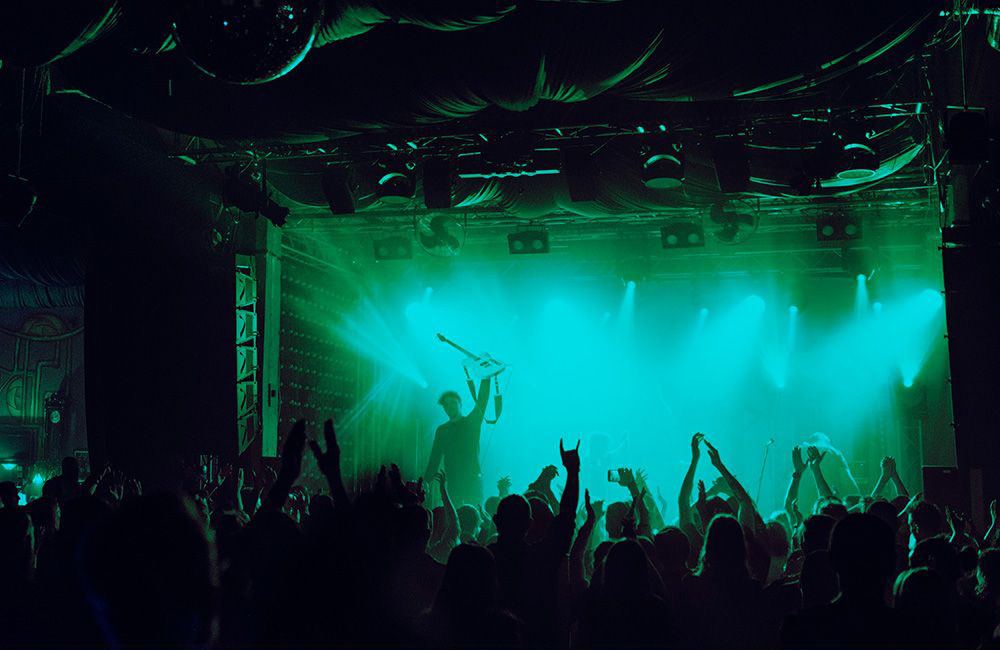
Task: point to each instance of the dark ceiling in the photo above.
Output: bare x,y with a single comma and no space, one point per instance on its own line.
396,82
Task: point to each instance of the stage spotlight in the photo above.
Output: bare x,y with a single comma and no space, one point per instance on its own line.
246,192
684,234
858,162
396,183
732,165
528,242
967,137
395,247
838,227
732,227
437,183
793,310
663,169
337,189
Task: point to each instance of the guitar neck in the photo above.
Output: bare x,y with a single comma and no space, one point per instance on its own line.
457,347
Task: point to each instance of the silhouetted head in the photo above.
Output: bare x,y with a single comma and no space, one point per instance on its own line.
988,572
926,602
151,575
724,552
513,518
831,507
717,506
968,559
776,540
44,513
818,579
469,583
468,520
321,505
816,532
886,512
926,521
672,548
626,573
491,505
541,519
919,590
614,519
863,553
451,403
71,470
8,494
53,488
938,554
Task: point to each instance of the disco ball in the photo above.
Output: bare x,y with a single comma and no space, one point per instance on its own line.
247,41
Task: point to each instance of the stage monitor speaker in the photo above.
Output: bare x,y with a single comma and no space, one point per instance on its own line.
946,486
968,137
437,183
337,189
732,165
581,174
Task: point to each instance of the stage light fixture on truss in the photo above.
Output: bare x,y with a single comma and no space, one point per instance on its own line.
682,234
662,166
395,184
510,155
733,227
247,191
528,242
838,226
393,247
856,157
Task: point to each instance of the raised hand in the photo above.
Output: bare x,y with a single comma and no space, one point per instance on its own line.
549,472
713,454
570,458
702,494
640,476
719,484
598,508
627,478
798,465
815,457
329,461
695,449
587,507
503,486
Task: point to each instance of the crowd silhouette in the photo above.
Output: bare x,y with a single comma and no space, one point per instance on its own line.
97,563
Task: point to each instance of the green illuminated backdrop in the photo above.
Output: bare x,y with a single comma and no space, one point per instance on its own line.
637,367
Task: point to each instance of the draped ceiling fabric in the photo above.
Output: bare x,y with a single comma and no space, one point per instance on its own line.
409,66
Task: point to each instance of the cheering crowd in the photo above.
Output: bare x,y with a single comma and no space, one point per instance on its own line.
97,563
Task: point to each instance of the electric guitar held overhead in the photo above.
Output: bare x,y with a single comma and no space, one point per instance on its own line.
482,366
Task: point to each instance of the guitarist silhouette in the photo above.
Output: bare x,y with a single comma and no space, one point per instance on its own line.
457,443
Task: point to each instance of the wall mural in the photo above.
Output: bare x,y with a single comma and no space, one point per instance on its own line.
41,388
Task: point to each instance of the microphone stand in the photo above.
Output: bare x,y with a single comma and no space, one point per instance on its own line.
760,482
